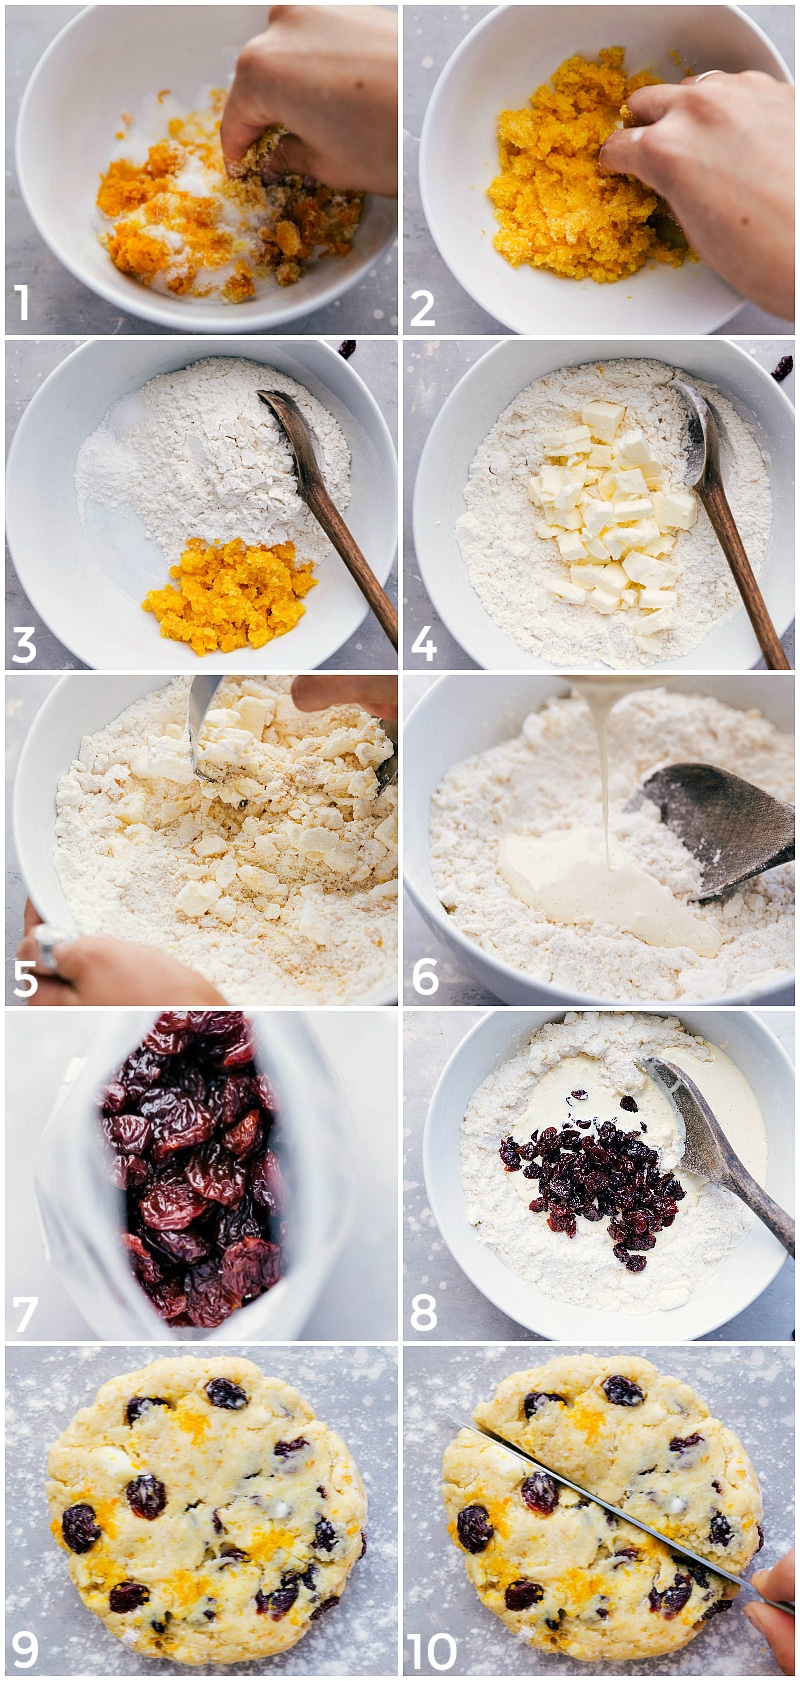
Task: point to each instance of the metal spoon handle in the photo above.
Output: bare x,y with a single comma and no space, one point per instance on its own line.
719,512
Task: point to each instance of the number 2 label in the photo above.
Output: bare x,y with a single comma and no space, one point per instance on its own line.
422,318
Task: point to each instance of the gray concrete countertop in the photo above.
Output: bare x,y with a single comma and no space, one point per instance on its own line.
353,1389
58,303
456,986
29,361
430,36
430,372
751,1390
463,1313
359,1298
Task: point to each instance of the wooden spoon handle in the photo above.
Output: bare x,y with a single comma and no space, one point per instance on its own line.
774,1218
325,510
719,512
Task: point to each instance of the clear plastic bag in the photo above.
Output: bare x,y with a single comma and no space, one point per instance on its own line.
80,1209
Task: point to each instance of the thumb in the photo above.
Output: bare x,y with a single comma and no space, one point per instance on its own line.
622,154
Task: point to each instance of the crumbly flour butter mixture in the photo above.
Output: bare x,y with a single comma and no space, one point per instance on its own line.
196,453
547,779
514,569
536,1090
272,873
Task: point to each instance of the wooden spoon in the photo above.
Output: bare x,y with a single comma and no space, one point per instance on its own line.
708,1152
733,829
704,477
311,487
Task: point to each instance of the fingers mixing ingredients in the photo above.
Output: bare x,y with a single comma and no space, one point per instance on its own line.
104,971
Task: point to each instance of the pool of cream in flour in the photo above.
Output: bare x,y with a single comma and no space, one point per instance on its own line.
559,1265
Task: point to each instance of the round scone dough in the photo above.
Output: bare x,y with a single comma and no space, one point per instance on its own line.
563,1574
207,1515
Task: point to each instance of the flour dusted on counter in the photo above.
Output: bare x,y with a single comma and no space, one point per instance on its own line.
273,874
197,454
548,778
583,1269
510,566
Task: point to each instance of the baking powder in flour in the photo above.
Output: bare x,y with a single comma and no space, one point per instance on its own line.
509,564
548,778
584,1270
197,454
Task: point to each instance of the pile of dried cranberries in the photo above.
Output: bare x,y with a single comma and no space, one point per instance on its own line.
189,1121
609,1173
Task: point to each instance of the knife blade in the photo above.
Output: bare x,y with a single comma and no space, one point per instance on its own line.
625,1517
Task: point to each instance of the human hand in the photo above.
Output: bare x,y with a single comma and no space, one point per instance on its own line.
377,695
329,75
105,971
720,150
777,1627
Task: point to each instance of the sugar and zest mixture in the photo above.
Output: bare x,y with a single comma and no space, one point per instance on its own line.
515,571
555,208
274,876
548,778
583,1269
230,595
171,217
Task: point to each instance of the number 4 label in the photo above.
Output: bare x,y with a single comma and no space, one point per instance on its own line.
426,648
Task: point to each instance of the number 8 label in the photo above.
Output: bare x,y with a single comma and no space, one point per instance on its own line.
423,1308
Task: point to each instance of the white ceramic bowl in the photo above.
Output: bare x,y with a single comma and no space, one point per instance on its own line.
476,403
110,59
466,713
88,582
741,1277
78,705
499,65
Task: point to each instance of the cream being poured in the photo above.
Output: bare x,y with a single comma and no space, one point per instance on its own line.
580,874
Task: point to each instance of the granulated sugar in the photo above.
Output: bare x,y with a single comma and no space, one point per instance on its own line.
273,875
584,1270
509,564
197,454
548,778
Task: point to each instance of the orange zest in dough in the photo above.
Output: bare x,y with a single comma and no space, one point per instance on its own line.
556,209
230,595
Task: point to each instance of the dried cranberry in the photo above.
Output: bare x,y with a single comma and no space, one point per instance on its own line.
184,1247
325,1535
781,372
222,1392
264,1093
179,1121
621,1392
327,1605
283,1450
681,1444
171,1033
128,1596
141,1071
130,1134
241,1137
520,1596
234,1224
214,1174
79,1527
623,1554
760,1537
539,1205
510,1156
536,1399
208,1303
719,1605
169,1300
655,1599
277,1603
146,1496
232,1555
636,1263
628,1103
241,1051
540,1493
144,1265
128,1173
720,1532
266,1182
171,1205
474,1529
580,1096
139,1404
675,1597
251,1267
113,1098
363,1544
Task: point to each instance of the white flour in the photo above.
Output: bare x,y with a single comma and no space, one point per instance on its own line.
549,778
276,880
583,1269
197,454
509,564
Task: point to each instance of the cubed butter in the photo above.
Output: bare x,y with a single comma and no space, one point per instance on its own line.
602,419
602,602
600,456
652,597
567,591
631,481
631,449
565,441
570,547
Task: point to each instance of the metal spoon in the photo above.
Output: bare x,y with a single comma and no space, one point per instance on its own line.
311,487
708,1153
201,693
733,829
625,1517
704,477
387,772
